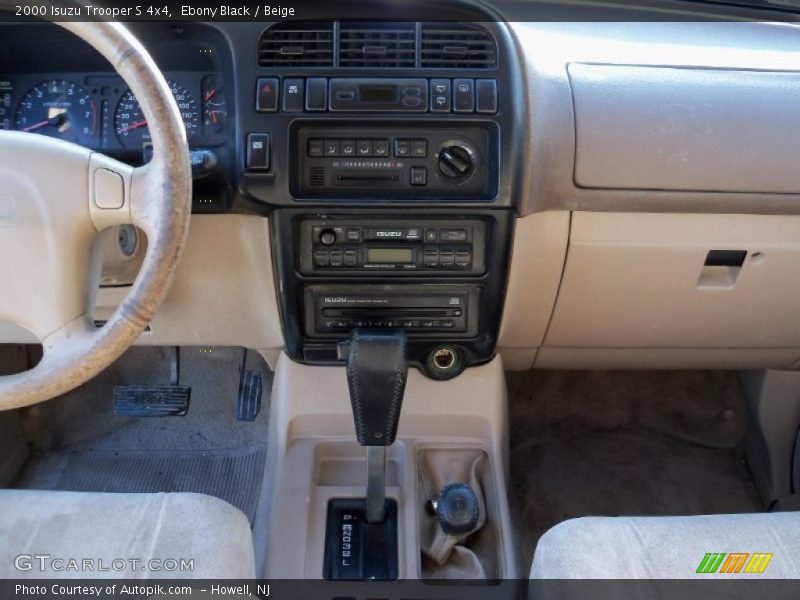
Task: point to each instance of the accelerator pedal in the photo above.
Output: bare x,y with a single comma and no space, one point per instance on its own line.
155,400
251,388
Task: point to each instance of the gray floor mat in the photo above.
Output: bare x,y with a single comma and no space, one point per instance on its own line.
623,443
80,444
231,475
85,416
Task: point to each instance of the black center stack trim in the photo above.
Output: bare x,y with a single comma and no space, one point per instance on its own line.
393,175
320,305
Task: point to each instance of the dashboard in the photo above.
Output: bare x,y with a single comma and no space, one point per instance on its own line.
391,175
329,128
401,165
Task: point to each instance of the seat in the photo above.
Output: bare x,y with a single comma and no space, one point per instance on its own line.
80,535
669,547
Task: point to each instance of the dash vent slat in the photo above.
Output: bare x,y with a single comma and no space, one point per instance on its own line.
380,45
457,46
297,44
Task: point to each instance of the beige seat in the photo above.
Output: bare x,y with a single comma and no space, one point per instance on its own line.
668,548
94,535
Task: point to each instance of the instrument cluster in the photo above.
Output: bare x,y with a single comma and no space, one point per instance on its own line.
98,111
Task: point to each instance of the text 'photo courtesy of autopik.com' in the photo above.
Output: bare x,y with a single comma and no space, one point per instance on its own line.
400,299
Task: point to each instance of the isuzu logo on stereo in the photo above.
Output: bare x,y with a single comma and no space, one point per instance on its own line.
392,234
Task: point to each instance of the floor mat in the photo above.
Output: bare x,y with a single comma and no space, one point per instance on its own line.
85,416
81,444
623,443
231,475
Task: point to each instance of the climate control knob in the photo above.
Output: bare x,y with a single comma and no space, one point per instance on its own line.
456,161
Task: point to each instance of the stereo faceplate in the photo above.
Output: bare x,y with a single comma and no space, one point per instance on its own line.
392,246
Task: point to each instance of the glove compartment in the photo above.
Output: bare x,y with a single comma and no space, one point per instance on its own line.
677,290
700,130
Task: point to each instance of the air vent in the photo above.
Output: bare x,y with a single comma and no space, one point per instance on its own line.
387,45
297,44
316,176
457,46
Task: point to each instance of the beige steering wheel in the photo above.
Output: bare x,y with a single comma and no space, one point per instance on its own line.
55,197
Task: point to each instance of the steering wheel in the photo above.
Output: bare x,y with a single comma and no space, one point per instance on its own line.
54,198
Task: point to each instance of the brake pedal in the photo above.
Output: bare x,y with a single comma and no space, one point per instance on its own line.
251,388
155,400
152,400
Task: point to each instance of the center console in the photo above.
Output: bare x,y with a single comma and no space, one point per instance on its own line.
388,155
391,174
446,529
438,277
433,271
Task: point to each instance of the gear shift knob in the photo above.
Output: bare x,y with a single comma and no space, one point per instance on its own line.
376,373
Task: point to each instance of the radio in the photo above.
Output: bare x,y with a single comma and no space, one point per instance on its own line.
400,161
421,310
392,246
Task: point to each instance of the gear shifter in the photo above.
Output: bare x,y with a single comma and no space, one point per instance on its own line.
361,534
376,374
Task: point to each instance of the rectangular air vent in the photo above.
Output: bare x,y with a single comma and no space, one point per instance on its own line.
316,176
297,44
381,45
457,46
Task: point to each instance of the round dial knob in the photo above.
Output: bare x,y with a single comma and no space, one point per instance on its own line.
327,236
455,161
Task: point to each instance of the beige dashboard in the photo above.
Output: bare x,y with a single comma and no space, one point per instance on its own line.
607,271
653,146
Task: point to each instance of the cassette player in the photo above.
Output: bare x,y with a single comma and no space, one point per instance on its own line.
392,246
332,311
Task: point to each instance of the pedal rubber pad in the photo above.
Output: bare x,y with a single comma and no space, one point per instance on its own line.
248,402
152,400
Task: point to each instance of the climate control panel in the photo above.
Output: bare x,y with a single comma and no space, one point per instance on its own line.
396,162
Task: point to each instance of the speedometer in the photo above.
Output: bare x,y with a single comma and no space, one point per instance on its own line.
59,108
132,127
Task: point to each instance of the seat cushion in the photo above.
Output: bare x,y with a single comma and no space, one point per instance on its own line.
94,535
667,547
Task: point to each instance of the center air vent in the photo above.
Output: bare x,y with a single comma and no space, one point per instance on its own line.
297,44
387,45
457,46
378,45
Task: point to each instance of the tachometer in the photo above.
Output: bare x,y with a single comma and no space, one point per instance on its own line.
59,108
131,126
